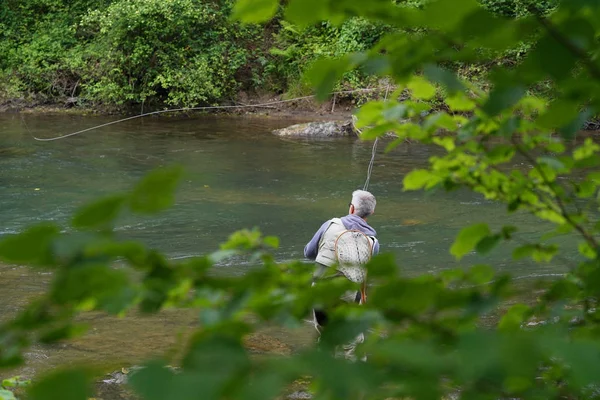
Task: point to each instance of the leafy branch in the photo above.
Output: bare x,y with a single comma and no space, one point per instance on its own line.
559,201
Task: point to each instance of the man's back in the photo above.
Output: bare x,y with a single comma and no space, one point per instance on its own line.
350,222
353,241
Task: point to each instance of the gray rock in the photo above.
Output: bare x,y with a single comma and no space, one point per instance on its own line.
329,129
299,395
120,377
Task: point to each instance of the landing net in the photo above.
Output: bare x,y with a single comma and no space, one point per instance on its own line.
353,250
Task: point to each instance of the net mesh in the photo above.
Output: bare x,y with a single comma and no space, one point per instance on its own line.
353,250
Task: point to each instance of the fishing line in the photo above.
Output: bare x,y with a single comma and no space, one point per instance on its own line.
26,126
197,109
370,169
165,111
373,152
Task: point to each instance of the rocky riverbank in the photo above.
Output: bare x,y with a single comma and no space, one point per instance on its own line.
113,386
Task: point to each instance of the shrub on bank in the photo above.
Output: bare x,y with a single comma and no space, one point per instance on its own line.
184,52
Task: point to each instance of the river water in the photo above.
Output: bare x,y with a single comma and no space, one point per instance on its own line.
238,175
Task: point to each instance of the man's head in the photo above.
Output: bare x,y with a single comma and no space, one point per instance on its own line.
363,203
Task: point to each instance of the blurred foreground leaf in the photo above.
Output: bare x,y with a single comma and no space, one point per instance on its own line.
156,190
66,384
33,246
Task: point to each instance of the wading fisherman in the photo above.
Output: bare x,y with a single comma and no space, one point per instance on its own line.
327,244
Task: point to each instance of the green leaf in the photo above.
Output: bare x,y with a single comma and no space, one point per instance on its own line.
487,244
370,113
154,382
32,246
587,251
481,274
532,105
585,189
324,73
421,88
581,357
394,112
460,102
410,296
244,239
523,251
594,177
266,384
419,178
538,252
501,99
378,130
271,241
440,120
592,161
67,384
560,230
92,281
15,381
514,318
99,213
57,333
7,395
448,14
254,11
553,163
509,126
444,77
447,142
156,190
306,12
507,231
586,150
549,58
468,238
382,265
559,113
569,129
556,147
501,153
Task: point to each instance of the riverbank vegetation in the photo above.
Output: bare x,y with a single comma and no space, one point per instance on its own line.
425,337
155,53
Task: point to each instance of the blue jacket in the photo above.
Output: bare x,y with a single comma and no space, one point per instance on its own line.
350,221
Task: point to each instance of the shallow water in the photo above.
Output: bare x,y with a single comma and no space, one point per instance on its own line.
238,175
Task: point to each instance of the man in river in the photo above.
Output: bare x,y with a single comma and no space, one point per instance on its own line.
322,249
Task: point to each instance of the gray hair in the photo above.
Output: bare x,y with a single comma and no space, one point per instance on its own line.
364,203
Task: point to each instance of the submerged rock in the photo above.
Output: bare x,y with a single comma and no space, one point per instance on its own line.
299,395
329,129
259,343
15,151
121,376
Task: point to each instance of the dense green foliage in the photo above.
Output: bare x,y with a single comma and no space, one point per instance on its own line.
298,47
425,336
519,8
178,52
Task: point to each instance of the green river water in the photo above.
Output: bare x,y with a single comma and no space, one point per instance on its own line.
238,175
